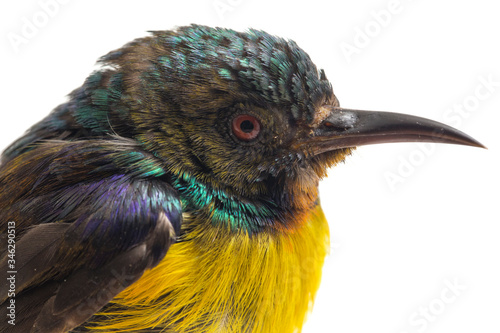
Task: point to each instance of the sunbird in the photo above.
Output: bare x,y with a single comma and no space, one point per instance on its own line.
176,190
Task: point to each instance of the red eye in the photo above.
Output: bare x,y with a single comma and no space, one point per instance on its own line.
246,127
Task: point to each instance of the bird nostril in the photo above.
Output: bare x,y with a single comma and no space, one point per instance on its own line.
331,126
339,121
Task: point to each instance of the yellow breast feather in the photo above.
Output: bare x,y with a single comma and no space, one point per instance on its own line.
215,280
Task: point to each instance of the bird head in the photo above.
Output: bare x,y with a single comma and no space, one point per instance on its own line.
244,111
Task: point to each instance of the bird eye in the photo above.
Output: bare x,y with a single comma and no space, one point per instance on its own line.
246,127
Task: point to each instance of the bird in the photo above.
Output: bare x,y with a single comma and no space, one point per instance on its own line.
177,189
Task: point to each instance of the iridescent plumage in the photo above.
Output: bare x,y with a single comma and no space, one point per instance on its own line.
140,207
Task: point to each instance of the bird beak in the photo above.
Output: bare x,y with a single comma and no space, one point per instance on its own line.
344,128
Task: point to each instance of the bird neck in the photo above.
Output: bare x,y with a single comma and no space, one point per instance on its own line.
281,208
100,106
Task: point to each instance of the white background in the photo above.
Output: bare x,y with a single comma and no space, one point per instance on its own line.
393,248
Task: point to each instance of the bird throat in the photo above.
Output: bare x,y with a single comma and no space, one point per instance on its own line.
238,213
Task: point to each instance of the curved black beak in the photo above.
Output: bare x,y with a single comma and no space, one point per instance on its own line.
344,128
